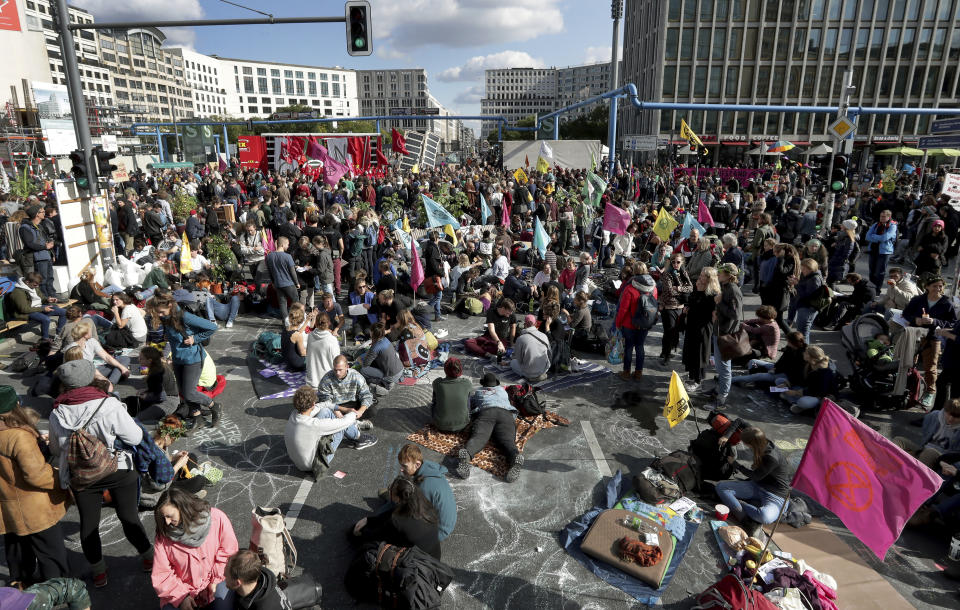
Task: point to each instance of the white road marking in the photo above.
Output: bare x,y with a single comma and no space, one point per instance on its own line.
297,505
595,449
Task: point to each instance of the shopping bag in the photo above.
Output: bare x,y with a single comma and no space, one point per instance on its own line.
615,347
678,402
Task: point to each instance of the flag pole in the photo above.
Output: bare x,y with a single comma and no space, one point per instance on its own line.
766,545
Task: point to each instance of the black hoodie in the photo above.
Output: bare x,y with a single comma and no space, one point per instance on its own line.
265,596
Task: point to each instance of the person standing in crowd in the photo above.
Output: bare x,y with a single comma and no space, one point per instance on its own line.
32,503
433,259
674,290
882,237
103,416
633,314
36,249
809,295
775,290
283,275
185,334
698,336
728,316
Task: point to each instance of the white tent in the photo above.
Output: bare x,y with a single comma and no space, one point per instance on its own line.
760,150
820,149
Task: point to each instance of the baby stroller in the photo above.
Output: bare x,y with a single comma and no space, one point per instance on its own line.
872,381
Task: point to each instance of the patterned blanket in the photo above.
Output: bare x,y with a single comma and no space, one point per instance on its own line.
586,373
490,457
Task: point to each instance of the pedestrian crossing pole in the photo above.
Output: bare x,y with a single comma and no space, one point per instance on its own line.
847,92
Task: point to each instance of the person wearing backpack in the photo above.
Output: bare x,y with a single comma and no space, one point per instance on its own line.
637,313
84,424
758,500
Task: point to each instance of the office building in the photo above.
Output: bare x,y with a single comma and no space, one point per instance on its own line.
901,53
202,74
257,89
404,92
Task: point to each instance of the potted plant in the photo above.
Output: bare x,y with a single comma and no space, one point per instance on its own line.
223,262
181,206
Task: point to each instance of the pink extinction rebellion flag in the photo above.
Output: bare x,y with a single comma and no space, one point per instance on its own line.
416,267
615,220
703,214
872,485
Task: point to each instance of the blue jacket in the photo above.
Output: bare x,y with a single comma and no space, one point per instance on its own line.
931,423
489,398
148,458
942,312
432,481
886,240
195,326
33,240
283,271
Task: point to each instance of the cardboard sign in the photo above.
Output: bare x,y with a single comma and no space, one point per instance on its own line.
120,174
951,187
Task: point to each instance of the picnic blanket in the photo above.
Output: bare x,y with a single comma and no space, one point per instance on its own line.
587,372
490,457
573,534
288,380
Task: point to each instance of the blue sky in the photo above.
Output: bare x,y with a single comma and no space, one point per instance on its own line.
453,39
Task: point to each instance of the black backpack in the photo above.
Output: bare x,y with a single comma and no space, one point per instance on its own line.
681,466
713,459
523,398
593,341
397,577
646,314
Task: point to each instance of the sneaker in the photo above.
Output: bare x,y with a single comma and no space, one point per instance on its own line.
796,410
693,388
229,324
514,473
463,466
364,425
927,399
717,403
364,441
216,412
100,580
538,379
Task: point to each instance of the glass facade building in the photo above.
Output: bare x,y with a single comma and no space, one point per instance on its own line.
789,52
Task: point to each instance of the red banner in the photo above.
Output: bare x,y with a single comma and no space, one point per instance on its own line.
9,17
252,152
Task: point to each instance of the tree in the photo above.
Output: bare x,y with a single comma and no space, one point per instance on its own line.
530,121
591,126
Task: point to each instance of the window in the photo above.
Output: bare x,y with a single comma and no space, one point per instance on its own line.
703,44
733,79
800,43
288,73
923,45
312,75
673,41
723,9
809,80
861,49
818,9
946,89
700,82
719,42
900,88
899,9
736,43
669,80
275,86
954,44
686,47
813,43
750,46
834,11
262,85
288,86
324,89
247,70
944,14
830,44
312,87
794,87
690,11
893,42
886,81
336,89
933,75
883,10
767,35
846,37
683,81
763,81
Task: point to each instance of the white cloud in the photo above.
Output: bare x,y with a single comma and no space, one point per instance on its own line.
593,55
412,24
473,95
150,10
474,67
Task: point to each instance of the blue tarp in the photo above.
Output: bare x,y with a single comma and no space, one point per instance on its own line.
573,534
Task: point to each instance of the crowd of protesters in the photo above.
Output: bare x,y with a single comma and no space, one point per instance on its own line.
331,261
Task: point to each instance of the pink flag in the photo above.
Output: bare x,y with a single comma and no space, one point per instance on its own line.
703,214
222,165
314,148
863,478
505,216
615,220
416,267
333,170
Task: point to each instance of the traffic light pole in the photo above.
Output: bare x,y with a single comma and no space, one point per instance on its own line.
845,94
78,109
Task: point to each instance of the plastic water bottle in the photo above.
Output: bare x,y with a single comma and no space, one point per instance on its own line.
633,523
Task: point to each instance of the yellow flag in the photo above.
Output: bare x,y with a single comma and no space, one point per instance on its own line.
542,165
448,229
415,169
406,224
665,225
678,402
687,134
520,176
186,264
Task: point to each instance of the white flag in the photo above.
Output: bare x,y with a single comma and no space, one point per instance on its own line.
545,151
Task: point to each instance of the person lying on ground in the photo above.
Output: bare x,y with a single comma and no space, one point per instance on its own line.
494,417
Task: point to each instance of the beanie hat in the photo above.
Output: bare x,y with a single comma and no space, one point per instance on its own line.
849,225
76,373
8,399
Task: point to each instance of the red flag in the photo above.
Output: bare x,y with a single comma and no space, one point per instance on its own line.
313,148
382,161
358,147
416,267
398,142
222,166
526,160
703,214
862,477
292,148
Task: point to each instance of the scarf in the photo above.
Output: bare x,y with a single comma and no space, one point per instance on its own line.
78,396
35,300
882,227
194,538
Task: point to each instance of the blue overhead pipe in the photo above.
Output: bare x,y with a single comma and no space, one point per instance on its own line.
417,117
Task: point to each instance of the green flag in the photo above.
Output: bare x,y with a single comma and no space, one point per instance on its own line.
597,188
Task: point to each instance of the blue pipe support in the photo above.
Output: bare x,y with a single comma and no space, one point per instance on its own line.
556,128
216,139
160,145
432,117
378,125
226,142
612,138
500,132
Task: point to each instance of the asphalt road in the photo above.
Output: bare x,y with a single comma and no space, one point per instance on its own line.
505,549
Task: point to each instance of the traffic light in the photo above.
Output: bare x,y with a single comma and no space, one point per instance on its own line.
79,170
102,157
358,28
838,179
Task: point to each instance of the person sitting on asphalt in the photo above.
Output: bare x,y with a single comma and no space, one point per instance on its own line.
788,369
346,388
516,288
362,296
332,310
256,587
900,289
821,380
315,430
293,340
28,302
322,348
381,365
940,435
494,417
531,352
758,500
450,406
501,330
764,333
412,522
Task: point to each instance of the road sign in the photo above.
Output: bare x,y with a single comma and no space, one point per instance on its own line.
939,142
640,143
842,128
944,126
109,143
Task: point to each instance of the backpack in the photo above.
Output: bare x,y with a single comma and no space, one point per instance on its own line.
357,244
601,308
654,488
593,341
713,459
767,270
271,541
397,577
821,298
523,397
88,457
730,593
646,314
681,466
267,347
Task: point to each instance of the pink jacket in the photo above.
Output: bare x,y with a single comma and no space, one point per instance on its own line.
180,571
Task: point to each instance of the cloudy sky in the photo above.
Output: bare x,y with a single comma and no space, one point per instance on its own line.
455,40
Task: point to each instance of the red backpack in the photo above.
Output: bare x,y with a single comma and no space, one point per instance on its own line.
523,397
729,593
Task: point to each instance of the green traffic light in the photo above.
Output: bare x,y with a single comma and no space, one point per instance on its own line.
360,43
83,183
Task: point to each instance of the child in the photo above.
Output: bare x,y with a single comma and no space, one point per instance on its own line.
879,349
161,389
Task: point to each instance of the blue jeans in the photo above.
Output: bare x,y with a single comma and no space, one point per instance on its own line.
222,311
44,320
45,269
100,322
633,341
805,318
112,289
724,371
351,433
435,302
767,504
374,375
758,377
878,268
223,599
803,402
